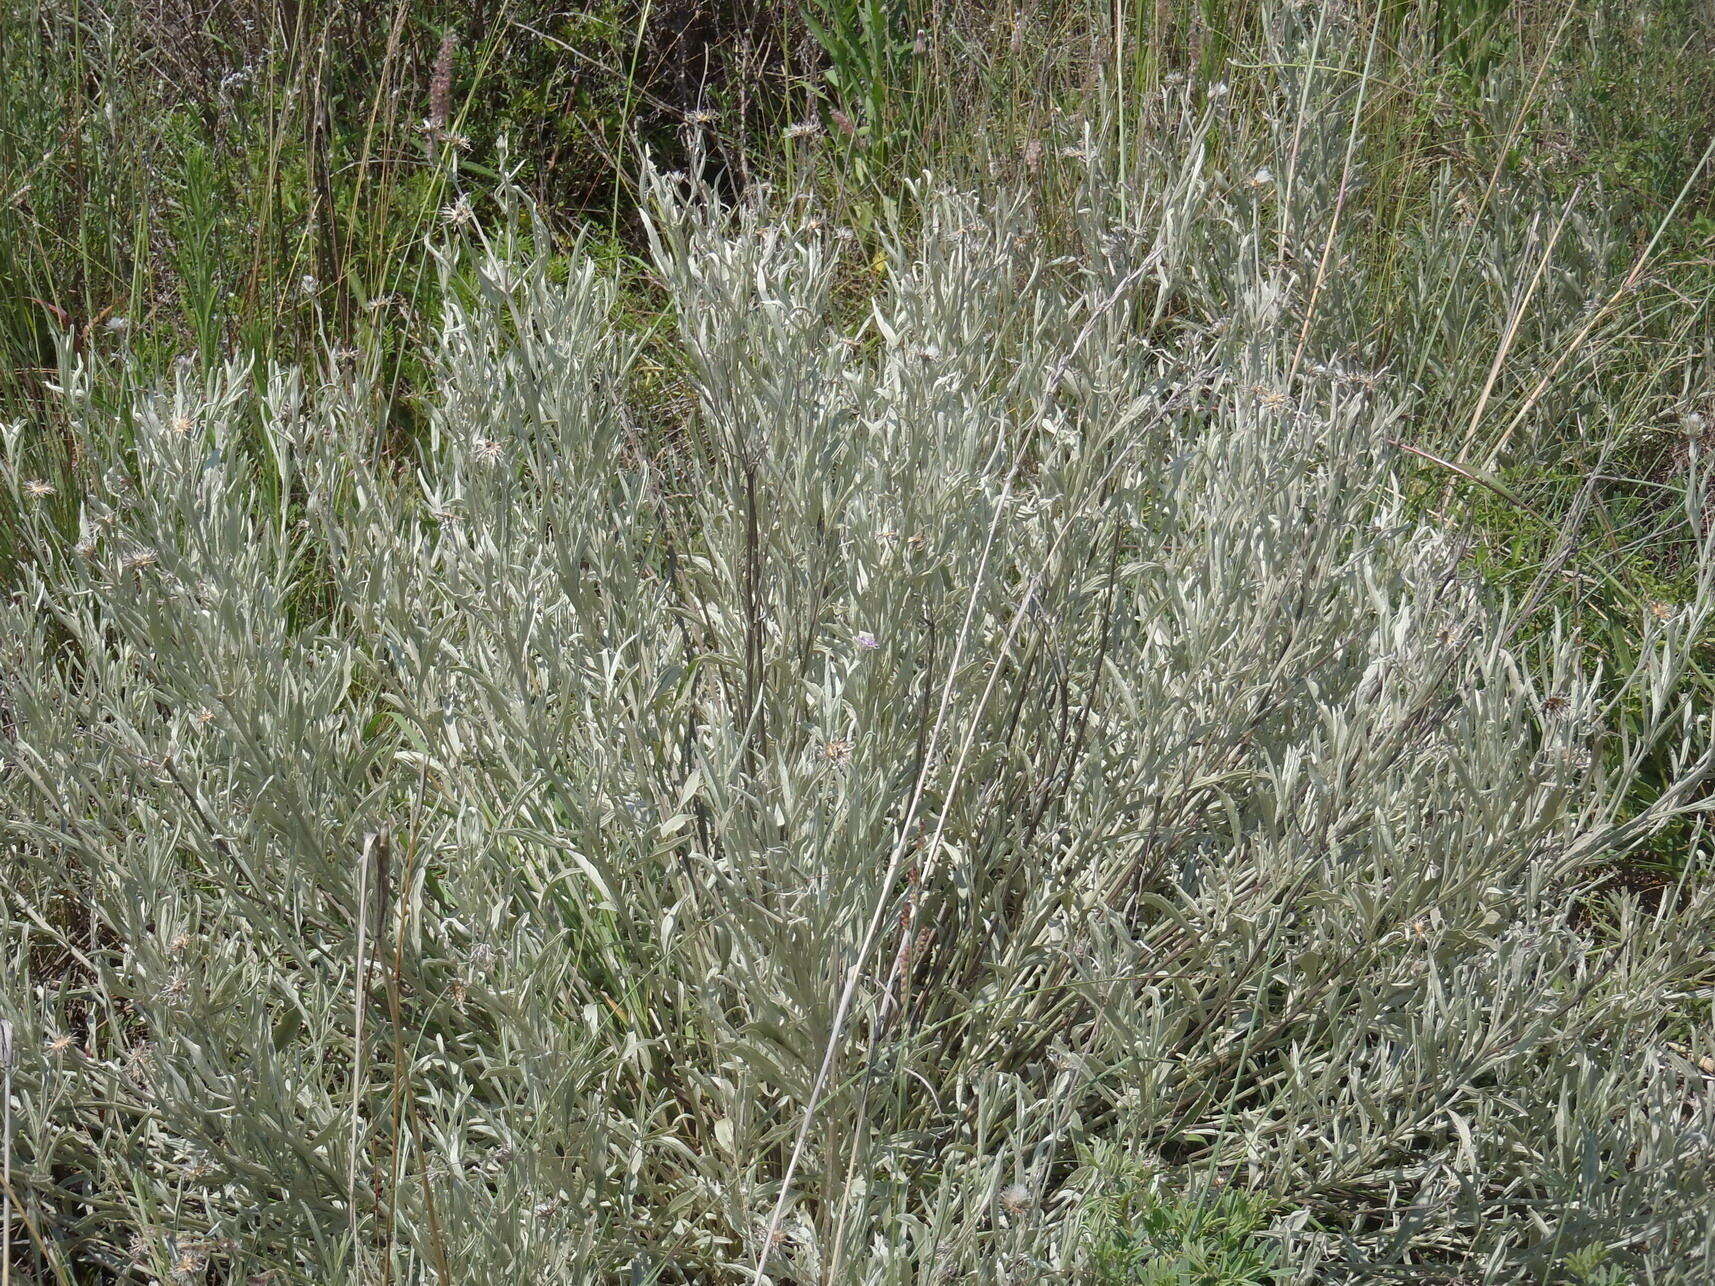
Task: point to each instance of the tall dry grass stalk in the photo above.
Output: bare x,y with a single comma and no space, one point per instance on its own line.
6,1060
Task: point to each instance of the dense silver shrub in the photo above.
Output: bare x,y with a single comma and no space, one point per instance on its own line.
473,856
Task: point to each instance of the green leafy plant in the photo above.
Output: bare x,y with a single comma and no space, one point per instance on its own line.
1589,1267
874,72
1143,1235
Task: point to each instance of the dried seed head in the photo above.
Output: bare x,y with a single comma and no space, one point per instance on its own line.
35,488
190,1261
177,990
459,214
140,1063
441,83
1015,1199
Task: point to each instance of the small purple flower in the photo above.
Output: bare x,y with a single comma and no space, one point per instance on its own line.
867,641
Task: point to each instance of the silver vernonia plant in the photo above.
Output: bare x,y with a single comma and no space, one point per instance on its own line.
965,750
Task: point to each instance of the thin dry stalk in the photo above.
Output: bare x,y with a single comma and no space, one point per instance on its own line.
1339,201
359,1005
5,1152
